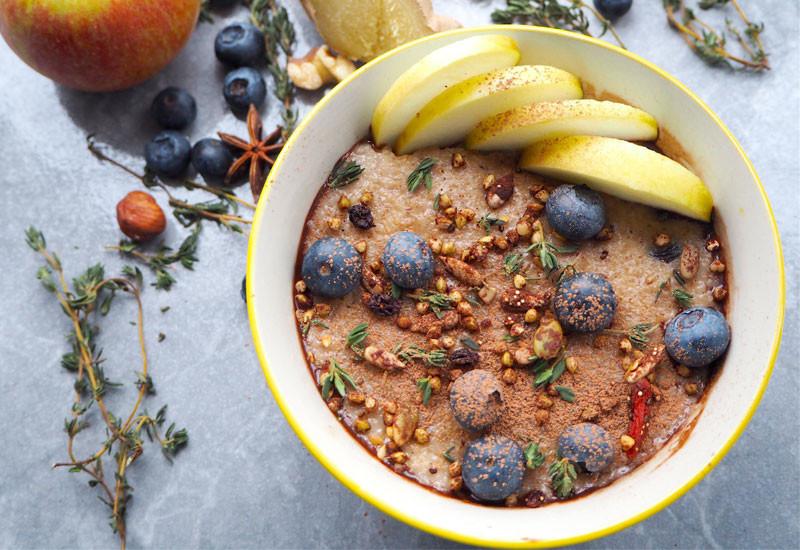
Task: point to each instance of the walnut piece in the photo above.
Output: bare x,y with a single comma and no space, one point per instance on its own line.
383,359
317,68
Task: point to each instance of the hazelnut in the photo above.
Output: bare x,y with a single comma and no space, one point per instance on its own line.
362,425
334,223
626,442
544,402
436,245
423,307
445,202
509,376
421,436
356,397
140,217
366,197
507,360
457,160
344,203
464,308
404,322
523,229
448,342
300,286
541,416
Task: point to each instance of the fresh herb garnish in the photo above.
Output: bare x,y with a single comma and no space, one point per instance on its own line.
336,378
555,14
512,263
162,259
355,338
434,358
683,298
314,323
421,174
487,221
678,277
344,173
661,289
436,199
711,44
438,302
548,372
533,456
562,477
448,455
510,339
424,385
565,393
638,334
547,253
470,343
121,434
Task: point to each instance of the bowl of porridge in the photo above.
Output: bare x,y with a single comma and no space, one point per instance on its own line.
502,284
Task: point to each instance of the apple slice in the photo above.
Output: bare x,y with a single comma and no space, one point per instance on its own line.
625,170
520,127
452,114
433,74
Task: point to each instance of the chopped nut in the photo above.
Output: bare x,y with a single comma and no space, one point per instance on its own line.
541,416
456,483
454,469
447,342
456,296
303,302
399,457
507,360
390,407
344,203
542,195
404,322
662,239
334,223
717,266
435,383
457,160
605,234
544,402
326,340
375,439
523,229
464,308
531,316
500,242
470,324
307,316
519,281
498,191
444,223
423,307
625,345
683,371
300,286
449,248
388,420
370,404
436,245
335,403
362,425
381,452
361,247
690,261
719,293
450,212
463,272
644,365
405,422
516,330
356,397
691,388
572,364
522,356
475,253
382,359
712,245
460,220
509,376
487,294
626,442
469,213
441,285
365,198
421,436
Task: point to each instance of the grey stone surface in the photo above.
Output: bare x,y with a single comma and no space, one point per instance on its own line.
245,481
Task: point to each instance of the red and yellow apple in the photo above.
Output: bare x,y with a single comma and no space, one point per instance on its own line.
97,45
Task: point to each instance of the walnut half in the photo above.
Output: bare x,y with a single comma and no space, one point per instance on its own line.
318,67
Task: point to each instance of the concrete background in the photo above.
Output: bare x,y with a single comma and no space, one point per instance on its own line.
245,481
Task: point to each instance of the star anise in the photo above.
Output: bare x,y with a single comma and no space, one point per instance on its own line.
256,152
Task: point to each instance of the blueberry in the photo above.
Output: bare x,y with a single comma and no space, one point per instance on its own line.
611,9
587,444
576,212
239,44
211,158
242,87
167,154
585,302
174,108
476,400
493,467
408,260
331,268
698,336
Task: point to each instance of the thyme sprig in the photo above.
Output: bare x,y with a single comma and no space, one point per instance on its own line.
438,302
565,393
710,44
433,358
533,456
160,261
562,477
314,323
355,338
683,298
512,263
344,173
568,15
336,378
273,20
638,334
487,221
548,372
421,174
547,253
424,385
122,443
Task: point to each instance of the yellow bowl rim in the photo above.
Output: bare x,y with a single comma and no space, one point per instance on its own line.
386,506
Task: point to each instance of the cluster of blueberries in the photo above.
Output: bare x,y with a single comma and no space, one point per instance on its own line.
493,466
240,46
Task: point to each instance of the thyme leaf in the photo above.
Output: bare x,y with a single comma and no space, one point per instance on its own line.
565,393
421,174
438,302
683,298
448,455
487,221
512,263
470,343
547,254
424,385
355,338
314,323
344,173
337,378
433,358
562,477
533,456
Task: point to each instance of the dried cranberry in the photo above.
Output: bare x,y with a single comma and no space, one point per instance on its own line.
361,216
383,304
464,357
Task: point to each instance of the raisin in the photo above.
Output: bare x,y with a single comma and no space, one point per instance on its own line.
464,357
361,216
383,304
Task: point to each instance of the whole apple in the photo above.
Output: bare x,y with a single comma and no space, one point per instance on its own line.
97,45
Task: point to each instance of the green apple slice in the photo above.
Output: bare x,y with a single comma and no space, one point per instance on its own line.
433,74
520,127
625,170
452,114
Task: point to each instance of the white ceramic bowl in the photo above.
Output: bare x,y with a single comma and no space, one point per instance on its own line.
756,300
